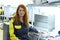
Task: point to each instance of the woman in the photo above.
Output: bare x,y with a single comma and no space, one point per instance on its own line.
18,27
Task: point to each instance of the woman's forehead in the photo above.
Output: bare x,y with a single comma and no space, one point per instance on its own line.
21,8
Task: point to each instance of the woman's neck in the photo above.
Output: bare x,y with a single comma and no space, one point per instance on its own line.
21,19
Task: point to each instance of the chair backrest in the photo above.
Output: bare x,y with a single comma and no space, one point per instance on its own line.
6,35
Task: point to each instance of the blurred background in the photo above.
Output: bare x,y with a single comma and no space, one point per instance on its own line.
44,15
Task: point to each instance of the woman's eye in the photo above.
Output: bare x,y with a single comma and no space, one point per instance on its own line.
20,10
23,10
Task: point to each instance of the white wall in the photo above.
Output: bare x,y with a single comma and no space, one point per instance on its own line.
15,2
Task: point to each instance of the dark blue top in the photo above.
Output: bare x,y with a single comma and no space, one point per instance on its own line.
22,33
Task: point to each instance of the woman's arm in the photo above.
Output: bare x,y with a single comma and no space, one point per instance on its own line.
32,29
11,31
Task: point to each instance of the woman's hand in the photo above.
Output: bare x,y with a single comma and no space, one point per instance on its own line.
41,33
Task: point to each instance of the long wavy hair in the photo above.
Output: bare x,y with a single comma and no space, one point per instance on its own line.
25,17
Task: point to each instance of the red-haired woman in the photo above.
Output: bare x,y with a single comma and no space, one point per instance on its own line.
18,27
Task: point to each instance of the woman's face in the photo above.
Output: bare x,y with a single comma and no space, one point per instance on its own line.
21,12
